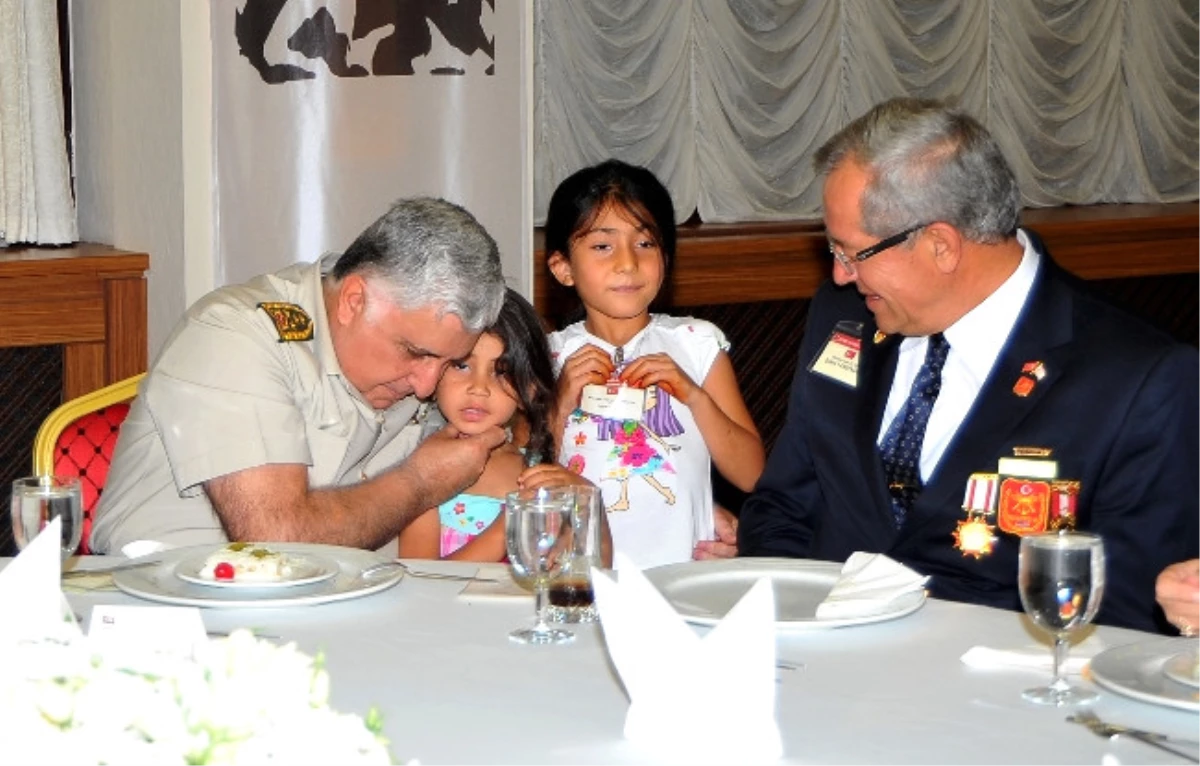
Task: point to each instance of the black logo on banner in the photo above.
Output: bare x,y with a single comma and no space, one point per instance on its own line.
401,31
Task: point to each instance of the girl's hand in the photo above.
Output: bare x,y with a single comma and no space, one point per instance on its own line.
662,371
587,365
725,546
550,475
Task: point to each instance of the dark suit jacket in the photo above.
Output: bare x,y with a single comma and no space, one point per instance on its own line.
1118,407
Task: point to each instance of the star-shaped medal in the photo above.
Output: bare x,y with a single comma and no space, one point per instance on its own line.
974,537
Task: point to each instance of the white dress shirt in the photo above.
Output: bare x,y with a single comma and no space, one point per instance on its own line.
975,341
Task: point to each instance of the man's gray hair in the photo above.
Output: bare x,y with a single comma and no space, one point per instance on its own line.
430,252
927,163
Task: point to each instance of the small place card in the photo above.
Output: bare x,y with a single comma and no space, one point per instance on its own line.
132,630
613,402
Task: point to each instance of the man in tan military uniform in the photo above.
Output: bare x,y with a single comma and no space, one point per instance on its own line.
287,408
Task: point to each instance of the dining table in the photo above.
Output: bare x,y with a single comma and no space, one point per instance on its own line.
434,658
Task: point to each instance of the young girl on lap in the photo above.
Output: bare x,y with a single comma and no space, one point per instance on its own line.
645,401
506,379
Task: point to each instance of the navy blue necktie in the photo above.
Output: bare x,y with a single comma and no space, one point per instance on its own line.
901,445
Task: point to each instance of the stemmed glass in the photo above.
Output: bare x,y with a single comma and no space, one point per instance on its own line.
538,530
1061,579
37,500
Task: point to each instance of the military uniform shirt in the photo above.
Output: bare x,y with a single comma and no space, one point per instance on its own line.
226,394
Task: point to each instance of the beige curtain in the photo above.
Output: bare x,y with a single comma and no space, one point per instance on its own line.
726,100
36,205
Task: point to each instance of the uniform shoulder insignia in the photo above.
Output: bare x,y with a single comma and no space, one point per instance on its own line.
291,322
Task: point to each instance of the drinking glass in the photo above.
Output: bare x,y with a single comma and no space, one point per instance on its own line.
1061,580
571,596
538,531
37,500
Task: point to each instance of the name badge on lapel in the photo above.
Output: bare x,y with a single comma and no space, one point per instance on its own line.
838,360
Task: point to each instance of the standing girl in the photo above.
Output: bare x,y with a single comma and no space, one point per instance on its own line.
645,401
506,381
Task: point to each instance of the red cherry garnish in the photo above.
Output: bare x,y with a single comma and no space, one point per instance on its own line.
223,571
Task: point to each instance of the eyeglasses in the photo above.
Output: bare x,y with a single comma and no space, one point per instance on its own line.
848,261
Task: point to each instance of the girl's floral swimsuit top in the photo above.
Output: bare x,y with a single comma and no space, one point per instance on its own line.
464,517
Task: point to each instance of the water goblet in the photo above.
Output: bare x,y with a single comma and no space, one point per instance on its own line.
38,500
1061,581
538,532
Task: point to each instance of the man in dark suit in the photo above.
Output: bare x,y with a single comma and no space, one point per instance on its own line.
951,351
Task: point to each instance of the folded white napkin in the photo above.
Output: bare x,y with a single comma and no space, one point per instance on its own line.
1038,657
677,680
31,596
868,583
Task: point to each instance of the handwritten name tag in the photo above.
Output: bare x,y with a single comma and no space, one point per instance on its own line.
613,402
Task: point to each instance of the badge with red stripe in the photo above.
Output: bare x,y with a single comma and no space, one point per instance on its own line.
1063,497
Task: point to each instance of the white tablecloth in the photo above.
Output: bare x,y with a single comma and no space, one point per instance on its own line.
453,688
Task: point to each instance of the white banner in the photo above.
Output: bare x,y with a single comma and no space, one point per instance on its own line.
324,111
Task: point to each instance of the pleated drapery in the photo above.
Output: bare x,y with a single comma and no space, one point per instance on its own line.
36,203
1093,101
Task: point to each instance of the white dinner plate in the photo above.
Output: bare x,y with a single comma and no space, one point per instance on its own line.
1184,668
159,582
307,568
704,591
1137,671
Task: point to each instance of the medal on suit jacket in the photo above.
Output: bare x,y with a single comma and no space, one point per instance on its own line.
1027,493
1063,496
975,536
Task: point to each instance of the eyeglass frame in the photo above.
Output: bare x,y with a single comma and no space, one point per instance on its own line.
848,261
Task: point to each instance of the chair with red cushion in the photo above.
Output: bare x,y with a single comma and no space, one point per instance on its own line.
77,439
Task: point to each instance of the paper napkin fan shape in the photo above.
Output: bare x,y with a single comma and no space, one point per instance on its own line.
868,582
677,680
31,593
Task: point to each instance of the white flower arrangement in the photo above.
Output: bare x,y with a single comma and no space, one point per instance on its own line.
239,700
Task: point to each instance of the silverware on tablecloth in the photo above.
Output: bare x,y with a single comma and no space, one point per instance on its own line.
383,566
133,564
1154,739
225,634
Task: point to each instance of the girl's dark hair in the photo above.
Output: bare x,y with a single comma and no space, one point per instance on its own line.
581,197
525,364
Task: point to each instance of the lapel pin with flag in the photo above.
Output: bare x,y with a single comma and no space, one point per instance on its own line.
1031,373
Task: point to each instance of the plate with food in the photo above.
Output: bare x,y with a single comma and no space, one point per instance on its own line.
318,574
254,565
